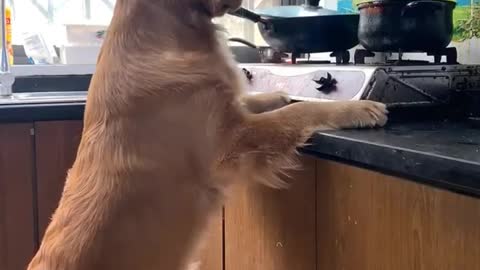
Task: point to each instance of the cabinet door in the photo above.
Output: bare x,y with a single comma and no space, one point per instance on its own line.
56,148
56,145
17,240
269,229
368,220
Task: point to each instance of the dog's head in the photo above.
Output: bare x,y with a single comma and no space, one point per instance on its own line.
215,8
220,7
211,8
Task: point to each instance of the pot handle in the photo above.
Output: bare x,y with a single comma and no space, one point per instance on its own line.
244,42
249,15
312,3
416,4
254,17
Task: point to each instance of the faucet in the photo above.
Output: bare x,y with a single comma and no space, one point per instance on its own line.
6,77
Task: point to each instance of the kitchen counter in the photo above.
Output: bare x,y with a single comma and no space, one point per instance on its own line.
442,154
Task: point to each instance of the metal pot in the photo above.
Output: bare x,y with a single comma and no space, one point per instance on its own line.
304,29
266,54
409,26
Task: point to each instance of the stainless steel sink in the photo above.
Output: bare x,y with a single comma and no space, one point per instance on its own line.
45,97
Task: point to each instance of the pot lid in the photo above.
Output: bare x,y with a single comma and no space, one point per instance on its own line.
295,11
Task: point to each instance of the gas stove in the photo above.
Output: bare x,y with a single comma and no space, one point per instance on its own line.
412,89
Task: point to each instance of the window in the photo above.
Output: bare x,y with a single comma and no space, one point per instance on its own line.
46,15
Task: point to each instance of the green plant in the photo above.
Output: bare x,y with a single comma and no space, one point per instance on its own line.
470,27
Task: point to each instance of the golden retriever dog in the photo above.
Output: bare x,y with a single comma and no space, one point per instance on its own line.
168,130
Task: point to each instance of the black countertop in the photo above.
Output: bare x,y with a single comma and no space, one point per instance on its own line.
439,153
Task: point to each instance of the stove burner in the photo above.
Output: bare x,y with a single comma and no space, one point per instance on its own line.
341,57
318,62
450,53
360,55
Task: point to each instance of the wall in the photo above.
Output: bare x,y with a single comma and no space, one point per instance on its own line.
47,17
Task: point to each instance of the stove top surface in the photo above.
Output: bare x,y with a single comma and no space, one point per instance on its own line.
315,65
446,56
412,84
398,86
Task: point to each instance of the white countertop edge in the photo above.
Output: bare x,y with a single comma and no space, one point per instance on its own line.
42,70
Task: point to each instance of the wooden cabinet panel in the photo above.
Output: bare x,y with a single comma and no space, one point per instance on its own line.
56,145
269,229
17,240
367,220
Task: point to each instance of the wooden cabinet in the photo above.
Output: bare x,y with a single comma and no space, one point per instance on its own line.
56,146
334,216
368,220
363,220
269,229
17,239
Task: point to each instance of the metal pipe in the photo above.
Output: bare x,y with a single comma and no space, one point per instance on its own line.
6,77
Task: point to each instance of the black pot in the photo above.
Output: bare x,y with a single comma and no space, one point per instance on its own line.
409,26
304,29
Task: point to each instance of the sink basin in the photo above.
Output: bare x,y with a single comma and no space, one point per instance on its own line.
48,95
45,97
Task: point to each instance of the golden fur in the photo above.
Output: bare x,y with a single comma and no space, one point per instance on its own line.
167,131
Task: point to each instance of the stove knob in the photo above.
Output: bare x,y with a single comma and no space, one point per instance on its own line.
326,85
248,74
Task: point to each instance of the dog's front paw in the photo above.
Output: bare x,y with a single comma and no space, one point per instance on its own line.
366,113
194,266
279,99
265,102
